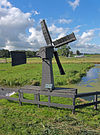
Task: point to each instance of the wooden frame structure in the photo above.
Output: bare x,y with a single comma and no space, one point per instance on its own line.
70,93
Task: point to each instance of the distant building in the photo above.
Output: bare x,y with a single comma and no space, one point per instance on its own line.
79,56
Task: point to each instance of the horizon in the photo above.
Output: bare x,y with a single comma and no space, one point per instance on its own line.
20,27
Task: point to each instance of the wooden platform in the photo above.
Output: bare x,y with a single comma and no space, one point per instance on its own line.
59,90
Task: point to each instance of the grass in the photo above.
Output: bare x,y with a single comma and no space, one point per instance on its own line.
31,120
31,74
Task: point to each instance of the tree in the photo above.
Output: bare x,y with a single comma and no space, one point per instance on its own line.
71,53
4,54
64,50
30,53
78,52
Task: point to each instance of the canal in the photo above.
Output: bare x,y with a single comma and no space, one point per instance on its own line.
90,82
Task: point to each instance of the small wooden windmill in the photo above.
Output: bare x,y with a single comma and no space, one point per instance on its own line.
46,53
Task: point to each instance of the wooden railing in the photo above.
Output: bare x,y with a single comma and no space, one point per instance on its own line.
72,95
95,102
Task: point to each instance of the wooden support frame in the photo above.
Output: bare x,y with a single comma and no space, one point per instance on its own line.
69,94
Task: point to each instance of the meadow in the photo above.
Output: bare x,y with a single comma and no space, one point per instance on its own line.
31,73
28,119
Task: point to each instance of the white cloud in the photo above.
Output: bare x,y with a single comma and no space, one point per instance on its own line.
35,12
5,3
63,21
76,29
86,37
57,32
36,38
74,4
84,42
13,26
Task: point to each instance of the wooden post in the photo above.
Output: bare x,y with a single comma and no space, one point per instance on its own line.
38,99
35,97
73,111
95,100
49,100
20,96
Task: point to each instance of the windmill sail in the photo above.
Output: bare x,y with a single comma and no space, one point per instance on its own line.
46,33
58,63
64,40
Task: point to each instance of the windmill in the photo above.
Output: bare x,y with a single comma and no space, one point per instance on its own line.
46,53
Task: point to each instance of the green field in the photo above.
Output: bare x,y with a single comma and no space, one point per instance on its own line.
31,120
86,59
30,74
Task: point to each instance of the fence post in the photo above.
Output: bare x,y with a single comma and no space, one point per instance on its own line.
49,100
95,100
35,97
38,99
20,96
73,111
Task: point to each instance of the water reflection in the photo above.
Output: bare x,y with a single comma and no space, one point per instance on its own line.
92,76
91,80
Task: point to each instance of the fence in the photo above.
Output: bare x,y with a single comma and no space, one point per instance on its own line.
69,94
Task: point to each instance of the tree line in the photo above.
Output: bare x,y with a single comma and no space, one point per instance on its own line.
62,51
7,54
66,51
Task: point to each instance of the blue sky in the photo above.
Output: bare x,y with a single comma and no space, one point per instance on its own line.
20,23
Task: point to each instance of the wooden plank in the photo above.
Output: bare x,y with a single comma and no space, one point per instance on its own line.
11,98
9,89
87,104
57,95
86,94
49,100
66,95
46,33
29,101
38,99
64,40
46,103
95,100
56,105
61,105
56,90
73,111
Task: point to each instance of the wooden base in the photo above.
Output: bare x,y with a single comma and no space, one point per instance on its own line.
59,90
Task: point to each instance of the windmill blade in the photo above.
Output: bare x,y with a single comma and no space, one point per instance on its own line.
46,33
58,63
64,40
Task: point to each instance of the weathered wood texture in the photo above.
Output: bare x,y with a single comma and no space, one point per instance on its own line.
58,92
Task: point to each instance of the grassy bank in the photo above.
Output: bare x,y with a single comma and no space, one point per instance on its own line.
31,120
30,74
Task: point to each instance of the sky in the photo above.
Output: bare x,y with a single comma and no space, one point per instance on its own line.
20,27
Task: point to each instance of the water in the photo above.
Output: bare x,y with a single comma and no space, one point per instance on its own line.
90,82
92,77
